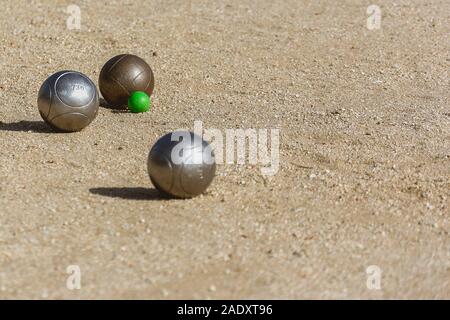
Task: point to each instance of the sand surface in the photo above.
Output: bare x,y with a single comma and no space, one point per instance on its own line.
364,176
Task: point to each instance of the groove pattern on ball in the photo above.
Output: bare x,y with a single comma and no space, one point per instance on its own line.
188,178
68,101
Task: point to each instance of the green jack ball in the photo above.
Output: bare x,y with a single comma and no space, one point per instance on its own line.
138,102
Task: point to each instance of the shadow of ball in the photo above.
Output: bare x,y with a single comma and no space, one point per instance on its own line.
181,164
121,76
68,101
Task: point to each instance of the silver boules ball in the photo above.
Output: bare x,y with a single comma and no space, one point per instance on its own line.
181,164
68,101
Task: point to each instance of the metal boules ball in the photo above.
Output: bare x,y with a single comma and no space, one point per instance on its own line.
181,164
68,101
121,76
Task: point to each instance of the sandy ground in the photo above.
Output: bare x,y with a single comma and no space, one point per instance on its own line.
365,152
